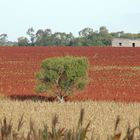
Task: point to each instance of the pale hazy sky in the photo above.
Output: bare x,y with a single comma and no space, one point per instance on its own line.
16,16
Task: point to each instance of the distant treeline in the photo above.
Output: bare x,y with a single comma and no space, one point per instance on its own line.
87,37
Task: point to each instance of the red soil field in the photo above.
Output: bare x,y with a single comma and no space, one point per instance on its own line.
114,73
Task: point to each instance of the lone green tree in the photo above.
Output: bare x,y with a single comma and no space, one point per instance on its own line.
62,75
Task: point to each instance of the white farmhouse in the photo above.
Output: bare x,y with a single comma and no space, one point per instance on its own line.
121,42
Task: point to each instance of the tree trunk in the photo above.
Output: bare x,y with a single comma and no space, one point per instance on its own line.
61,99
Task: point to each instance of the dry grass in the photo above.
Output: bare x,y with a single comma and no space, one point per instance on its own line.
101,114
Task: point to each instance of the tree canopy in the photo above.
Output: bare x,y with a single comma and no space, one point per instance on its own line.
61,75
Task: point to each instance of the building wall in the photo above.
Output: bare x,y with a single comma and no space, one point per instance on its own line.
119,42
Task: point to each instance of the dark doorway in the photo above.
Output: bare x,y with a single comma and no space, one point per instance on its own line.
120,44
133,44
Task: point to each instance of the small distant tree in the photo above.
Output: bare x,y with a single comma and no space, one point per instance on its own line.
23,41
61,75
3,39
103,30
31,33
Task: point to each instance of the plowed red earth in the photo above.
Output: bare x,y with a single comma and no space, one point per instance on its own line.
114,72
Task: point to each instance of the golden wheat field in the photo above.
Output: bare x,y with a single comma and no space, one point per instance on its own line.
101,114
